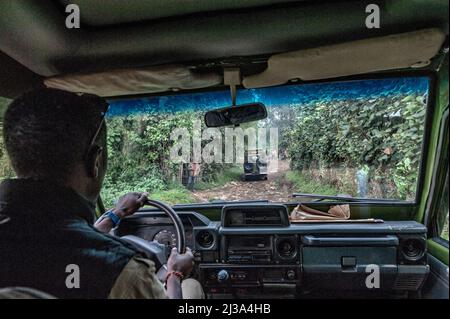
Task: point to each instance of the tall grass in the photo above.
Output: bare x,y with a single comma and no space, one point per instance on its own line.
308,185
175,195
224,177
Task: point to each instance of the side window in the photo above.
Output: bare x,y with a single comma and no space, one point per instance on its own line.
442,222
437,221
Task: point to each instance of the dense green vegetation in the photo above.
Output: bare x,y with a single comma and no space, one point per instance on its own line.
307,185
328,143
380,138
445,230
139,159
5,167
228,174
138,152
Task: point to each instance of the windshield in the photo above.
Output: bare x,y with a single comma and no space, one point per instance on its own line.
357,138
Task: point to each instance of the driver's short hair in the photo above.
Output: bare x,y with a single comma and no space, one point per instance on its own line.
47,132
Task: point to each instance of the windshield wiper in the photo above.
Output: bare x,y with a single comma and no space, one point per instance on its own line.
343,198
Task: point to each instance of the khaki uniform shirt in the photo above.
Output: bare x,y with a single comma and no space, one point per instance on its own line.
138,280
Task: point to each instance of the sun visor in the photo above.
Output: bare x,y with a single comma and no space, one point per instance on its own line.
135,81
369,55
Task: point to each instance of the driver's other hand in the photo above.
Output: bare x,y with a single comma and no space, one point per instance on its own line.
181,262
130,203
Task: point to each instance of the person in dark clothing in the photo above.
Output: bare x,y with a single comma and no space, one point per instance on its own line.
56,142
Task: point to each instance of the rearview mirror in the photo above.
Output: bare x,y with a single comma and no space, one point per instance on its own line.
234,115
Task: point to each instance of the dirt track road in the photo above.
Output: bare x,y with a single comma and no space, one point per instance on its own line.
274,189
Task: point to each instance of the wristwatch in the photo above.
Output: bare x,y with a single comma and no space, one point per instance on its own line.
114,218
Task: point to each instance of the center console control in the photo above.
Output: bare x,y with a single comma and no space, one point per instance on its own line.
273,249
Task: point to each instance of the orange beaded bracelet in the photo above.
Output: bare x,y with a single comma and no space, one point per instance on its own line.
175,273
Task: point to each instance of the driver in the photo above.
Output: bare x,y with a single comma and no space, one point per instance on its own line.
56,142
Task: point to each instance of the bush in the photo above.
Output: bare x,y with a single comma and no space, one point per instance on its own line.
309,185
174,195
383,134
228,173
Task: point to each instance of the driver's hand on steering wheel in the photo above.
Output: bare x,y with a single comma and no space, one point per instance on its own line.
130,203
183,263
127,205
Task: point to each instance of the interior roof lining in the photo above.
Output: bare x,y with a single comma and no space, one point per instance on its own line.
256,5
135,81
357,57
47,49
349,58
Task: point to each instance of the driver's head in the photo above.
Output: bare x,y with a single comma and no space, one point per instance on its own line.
58,136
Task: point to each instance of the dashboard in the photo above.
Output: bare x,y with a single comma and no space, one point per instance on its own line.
154,227
254,251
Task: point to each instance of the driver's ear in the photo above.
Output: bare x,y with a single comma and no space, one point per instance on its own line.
95,161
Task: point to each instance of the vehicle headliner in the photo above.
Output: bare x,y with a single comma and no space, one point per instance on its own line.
204,34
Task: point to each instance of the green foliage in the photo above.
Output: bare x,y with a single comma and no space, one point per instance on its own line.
444,233
176,194
222,177
138,154
326,143
139,159
309,185
6,170
5,167
130,181
3,105
383,134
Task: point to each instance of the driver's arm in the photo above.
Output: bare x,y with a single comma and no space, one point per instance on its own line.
181,264
139,281
126,205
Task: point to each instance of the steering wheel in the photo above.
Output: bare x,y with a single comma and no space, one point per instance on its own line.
153,250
